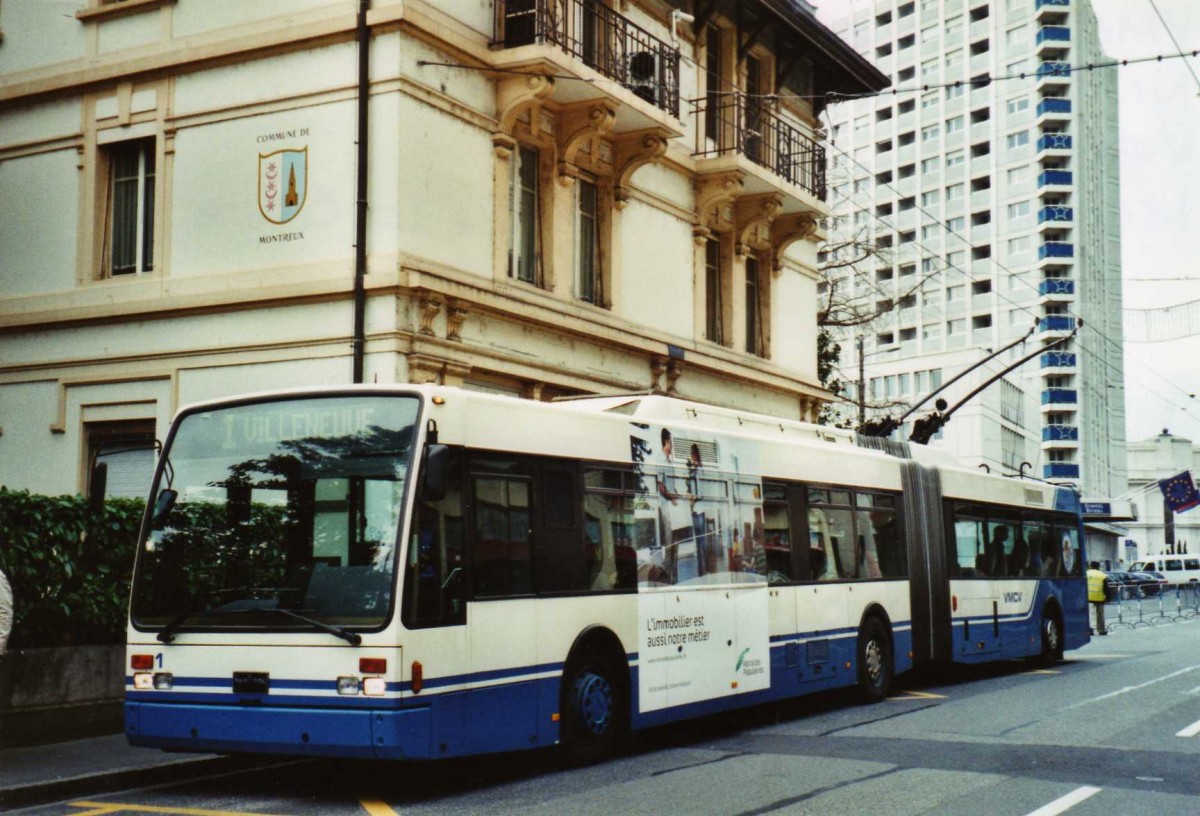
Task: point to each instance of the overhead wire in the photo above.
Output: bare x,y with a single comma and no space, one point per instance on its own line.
953,267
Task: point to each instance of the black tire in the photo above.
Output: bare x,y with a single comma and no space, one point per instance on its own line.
875,668
595,711
1052,637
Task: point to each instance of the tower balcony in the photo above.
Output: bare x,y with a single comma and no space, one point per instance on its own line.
1053,141
1053,74
1056,249
1052,324
1054,109
1054,178
1060,396
1056,290
1060,470
1051,7
1053,434
1053,33
1057,362
1059,215
621,63
740,133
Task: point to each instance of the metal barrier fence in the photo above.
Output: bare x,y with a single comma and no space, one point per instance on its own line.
1133,606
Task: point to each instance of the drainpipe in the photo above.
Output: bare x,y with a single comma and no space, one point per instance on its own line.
360,216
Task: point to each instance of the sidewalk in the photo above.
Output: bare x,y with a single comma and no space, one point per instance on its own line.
45,773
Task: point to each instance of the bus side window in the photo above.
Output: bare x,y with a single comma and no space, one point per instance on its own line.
435,579
503,536
777,533
969,560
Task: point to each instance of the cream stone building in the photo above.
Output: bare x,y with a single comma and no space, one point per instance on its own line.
540,197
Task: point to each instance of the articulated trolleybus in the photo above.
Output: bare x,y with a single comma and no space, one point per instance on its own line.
416,572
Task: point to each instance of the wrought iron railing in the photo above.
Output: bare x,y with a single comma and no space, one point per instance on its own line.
736,123
603,39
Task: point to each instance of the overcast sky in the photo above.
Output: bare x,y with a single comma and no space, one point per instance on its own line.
1160,180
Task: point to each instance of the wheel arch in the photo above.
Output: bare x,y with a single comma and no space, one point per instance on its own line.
876,610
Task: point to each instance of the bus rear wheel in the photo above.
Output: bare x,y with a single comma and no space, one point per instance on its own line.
1052,637
874,660
594,718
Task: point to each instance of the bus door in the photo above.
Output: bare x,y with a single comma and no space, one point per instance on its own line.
502,710
974,586
821,607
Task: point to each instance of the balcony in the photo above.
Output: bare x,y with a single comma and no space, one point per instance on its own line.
1060,396
1058,359
1054,141
1049,177
745,127
1060,433
1052,3
1056,249
1053,77
595,41
1060,470
1056,286
1053,104
1056,212
1058,34
1056,323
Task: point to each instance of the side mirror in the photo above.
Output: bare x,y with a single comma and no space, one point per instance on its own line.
163,504
97,487
435,473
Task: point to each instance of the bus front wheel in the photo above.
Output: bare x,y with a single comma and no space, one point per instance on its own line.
593,709
874,660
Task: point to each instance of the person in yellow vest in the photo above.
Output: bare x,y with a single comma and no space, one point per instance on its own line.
1096,595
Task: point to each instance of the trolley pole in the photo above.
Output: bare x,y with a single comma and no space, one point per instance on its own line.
862,383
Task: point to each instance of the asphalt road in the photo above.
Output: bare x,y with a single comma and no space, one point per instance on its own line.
1111,730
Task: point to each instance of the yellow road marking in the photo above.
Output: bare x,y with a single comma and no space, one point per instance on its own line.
917,695
376,808
99,808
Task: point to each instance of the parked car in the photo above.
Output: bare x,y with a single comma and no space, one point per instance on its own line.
1127,585
1151,583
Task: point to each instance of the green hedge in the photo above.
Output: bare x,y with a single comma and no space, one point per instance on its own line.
69,568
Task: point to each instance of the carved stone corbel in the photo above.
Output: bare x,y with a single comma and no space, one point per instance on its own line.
504,145
658,367
753,216
700,235
674,372
430,307
456,315
633,150
516,94
786,230
533,391
581,126
715,195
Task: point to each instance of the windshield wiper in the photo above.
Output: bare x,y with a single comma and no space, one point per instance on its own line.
197,607
353,638
168,633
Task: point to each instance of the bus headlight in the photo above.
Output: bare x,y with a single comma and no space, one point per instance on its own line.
164,681
374,686
347,686
143,681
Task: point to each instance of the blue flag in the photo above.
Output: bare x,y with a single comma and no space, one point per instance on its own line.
1179,491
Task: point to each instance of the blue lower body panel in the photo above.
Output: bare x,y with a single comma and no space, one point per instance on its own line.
384,734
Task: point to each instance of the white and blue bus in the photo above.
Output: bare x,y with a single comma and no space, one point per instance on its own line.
417,572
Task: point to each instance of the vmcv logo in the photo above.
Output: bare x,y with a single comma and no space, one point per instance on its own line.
1012,597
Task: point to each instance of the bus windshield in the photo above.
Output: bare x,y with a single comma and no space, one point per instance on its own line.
277,515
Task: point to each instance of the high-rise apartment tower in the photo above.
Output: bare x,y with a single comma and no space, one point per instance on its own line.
988,182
